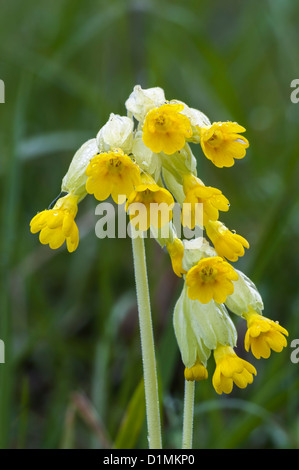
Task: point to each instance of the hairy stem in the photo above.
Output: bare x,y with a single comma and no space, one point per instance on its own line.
188,414
147,345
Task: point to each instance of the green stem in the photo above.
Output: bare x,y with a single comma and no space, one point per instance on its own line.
188,414
147,345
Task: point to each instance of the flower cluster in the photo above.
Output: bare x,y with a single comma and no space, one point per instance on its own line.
145,158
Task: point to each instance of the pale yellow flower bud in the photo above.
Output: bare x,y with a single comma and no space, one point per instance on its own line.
140,101
116,133
191,346
244,297
197,119
147,160
75,179
195,250
200,327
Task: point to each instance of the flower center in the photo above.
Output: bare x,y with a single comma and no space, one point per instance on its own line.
208,273
115,165
216,139
162,123
147,195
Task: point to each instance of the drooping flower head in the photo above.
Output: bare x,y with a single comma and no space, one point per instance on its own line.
58,225
112,173
231,369
166,129
211,278
263,335
202,203
149,162
227,244
221,143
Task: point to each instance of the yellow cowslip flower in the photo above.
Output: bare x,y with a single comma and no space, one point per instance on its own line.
221,143
227,244
231,369
112,173
153,205
166,129
197,372
58,224
211,200
176,253
211,278
263,335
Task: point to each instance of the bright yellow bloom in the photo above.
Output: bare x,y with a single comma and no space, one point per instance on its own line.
231,369
227,244
165,129
153,205
211,278
58,224
263,335
176,253
211,200
221,143
197,372
112,173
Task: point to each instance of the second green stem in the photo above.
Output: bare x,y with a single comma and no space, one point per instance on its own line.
188,414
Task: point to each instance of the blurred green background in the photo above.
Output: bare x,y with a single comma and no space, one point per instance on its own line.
73,374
